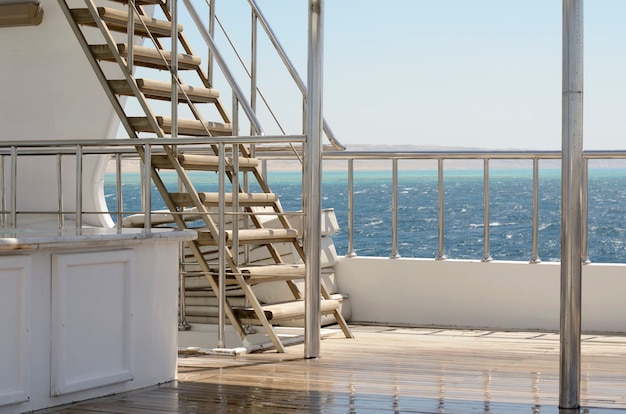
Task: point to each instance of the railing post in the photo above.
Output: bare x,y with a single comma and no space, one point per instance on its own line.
571,215
351,252
535,230
61,216
119,186
221,208
440,210
79,187
486,218
147,187
174,67
585,213
14,186
394,210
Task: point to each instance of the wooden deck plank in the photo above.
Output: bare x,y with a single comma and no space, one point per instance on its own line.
388,370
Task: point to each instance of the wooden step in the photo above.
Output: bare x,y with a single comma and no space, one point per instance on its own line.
271,273
117,20
250,236
212,199
147,57
191,127
141,2
282,312
200,162
153,89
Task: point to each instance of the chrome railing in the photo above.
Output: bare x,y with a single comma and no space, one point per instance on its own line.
442,159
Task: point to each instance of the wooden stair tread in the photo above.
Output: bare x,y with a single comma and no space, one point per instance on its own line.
251,236
296,270
191,127
212,199
147,57
280,312
117,20
203,162
153,89
141,2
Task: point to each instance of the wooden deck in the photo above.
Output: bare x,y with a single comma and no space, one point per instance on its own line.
388,370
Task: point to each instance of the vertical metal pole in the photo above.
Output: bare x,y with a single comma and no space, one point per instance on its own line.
174,67
440,207
313,174
61,217
147,186
571,196
394,210
585,212
221,209
351,252
253,67
119,192
535,255
79,187
3,201
14,186
486,218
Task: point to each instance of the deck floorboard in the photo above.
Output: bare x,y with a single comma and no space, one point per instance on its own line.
388,370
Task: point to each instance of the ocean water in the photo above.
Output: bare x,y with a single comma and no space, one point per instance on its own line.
510,221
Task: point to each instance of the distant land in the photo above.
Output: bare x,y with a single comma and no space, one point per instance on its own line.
372,164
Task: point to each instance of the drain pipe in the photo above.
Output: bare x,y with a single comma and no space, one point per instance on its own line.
571,207
313,183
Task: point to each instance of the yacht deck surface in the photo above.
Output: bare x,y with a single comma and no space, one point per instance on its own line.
388,370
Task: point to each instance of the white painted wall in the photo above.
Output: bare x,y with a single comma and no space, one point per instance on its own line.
90,321
497,295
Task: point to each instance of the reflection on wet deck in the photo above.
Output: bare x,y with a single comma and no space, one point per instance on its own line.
389,370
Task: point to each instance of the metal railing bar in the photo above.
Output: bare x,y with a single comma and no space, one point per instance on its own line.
535,223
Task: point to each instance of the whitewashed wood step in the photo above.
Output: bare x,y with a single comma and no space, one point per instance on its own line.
199,162
212,199
269,273
146,57
117,20
286,311
192,127
154,89
141,2
251,236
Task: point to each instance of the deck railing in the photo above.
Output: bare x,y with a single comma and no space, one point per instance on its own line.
123,151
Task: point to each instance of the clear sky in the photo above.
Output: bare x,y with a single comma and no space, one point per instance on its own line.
471,73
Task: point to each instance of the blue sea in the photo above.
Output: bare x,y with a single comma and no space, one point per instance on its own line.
510,222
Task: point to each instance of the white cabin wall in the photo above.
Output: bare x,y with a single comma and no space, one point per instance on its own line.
472,294
50,92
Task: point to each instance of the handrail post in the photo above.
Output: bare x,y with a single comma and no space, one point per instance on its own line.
14,186
147,186
221,208
351,252
440,210
394,210
571,215
174,67
585,213
486,219
118,190
535,223
79,187
61,216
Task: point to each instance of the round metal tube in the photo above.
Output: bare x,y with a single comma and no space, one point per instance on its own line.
313,180
221,211
174,67
394,210
486,218
535,230
118,189
61,217
79,187
571,214
440,209
585,212
351,252
147,186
